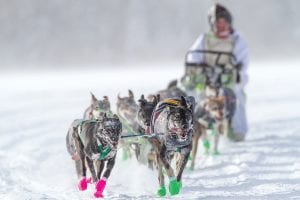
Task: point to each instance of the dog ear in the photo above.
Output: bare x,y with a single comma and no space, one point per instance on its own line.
154,99
172,84
104,115
183,102
119,98
94,99
115,116
191,103
158,98
130,93
142,101
105,98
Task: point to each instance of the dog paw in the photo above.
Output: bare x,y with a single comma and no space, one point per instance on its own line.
98,194
216,153
161,192
192,167
75,157
174,187
83,183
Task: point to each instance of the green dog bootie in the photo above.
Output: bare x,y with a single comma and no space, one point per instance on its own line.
174,187
161,192
206,146
125,156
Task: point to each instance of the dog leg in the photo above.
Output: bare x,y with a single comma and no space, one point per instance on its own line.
82,185
151,159
90,164
78,163
174,185
205,141
216,139
162,189
164,158
196,137
137,151
99,167
184,156
101,184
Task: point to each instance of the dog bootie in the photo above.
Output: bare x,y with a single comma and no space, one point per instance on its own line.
174,187
100,185
206,145
161,192
82,185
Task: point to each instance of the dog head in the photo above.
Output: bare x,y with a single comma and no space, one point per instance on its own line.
109,130
145,110
215,106
127,107
179,120
99,107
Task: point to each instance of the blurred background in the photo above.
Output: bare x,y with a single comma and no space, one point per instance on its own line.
57,34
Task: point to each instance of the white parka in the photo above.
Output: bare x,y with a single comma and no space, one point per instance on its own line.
240,51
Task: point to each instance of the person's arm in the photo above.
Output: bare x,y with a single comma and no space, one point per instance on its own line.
241,53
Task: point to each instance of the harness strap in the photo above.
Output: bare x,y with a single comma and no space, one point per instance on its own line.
103,152
159,108
127,126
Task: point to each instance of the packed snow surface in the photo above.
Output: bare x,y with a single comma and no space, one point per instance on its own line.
37,108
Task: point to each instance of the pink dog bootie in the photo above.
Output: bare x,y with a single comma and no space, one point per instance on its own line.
100,185
82,185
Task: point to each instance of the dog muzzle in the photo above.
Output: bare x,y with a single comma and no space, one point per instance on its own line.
178,133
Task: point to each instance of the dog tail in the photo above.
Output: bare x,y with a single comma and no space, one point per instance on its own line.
172,84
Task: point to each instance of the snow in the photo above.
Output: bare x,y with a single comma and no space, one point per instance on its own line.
37,108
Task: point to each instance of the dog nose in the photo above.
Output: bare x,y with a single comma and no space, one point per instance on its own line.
184,126
222,114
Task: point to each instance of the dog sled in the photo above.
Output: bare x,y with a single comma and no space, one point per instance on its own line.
220,64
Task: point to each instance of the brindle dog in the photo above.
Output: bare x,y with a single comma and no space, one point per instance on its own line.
95,140
173,91
146,108
127,110
173,119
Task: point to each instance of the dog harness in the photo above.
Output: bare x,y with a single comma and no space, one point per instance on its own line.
105,153
159,108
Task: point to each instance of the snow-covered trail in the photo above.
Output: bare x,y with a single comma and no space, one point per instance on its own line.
36,110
